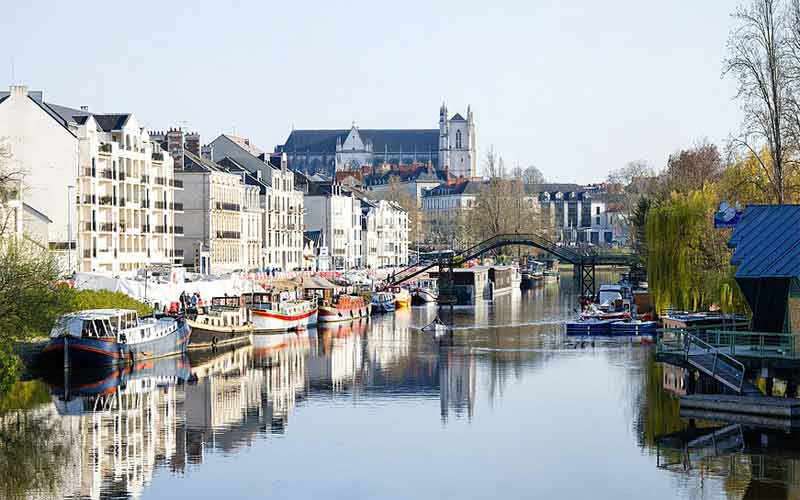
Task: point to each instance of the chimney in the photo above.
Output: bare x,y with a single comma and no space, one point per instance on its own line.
175,146
207,151
18,91
192,143
84,108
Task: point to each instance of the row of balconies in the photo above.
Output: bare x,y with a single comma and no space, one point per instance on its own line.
110,174
110,201
163,205
94,253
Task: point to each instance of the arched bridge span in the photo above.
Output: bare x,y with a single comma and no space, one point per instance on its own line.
585,261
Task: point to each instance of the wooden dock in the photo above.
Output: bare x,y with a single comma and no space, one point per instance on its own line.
788,408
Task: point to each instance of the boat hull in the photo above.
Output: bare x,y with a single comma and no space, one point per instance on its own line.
211,336
331,314
87,352
273,321
421,297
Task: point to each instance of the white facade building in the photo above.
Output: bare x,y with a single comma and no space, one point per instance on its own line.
384,234
108,190
336,212
457,148
282,229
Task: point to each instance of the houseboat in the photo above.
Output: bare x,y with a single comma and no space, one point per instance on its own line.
532,275
226,320
382,302
280,311
102,337
426,291
343,307
551,272
336,303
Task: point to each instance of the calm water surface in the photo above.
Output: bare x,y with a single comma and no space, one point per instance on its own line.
509,408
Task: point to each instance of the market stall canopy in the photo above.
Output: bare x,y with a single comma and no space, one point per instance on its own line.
318,283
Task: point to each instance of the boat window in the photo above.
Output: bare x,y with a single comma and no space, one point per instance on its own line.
88,329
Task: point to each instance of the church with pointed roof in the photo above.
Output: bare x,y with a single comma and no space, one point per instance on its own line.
450,148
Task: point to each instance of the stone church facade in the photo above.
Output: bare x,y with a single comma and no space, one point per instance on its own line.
451,147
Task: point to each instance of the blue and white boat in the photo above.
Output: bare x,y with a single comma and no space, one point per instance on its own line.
102,337
382,302
593,326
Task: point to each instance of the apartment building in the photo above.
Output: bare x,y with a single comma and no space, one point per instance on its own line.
336,212
106,188
213,216
384,234
283,204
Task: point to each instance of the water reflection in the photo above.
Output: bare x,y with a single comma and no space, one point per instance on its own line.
507,390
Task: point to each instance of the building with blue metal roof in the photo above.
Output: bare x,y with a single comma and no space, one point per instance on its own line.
766,244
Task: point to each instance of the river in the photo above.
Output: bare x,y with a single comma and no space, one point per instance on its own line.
507,408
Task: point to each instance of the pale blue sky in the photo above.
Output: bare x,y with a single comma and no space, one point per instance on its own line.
577,88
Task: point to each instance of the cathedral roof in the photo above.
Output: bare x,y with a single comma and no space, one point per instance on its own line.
457,118
324,141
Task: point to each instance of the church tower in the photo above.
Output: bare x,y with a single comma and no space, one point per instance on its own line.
443,140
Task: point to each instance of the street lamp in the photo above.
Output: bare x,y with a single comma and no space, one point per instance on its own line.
69,230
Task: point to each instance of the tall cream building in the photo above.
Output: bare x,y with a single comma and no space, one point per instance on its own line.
105,190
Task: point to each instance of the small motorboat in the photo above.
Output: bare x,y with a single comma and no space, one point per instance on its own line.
382,302
401,297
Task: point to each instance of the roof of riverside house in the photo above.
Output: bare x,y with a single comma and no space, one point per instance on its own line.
765,243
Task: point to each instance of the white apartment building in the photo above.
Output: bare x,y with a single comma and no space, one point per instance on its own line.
216,234
283,205
384,234
106,188
336,212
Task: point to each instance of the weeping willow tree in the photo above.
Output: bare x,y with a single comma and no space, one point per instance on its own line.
688,262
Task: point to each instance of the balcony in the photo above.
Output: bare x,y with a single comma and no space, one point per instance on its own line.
89,199
145,179
145,203
88,172
105,147
122,176
161,230
230,235
90,226
177,230
106,200
178,253
161,181
177,207
146,228
160,205
234,207
158,156
176,183
108,227
122,202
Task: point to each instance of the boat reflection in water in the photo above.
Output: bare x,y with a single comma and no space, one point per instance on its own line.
125,422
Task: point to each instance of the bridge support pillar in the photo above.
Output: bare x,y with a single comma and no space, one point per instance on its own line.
587,279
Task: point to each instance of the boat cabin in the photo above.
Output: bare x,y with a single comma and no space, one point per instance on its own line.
96,324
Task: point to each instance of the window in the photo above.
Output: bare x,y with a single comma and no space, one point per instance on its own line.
597,211
597,221
458,138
